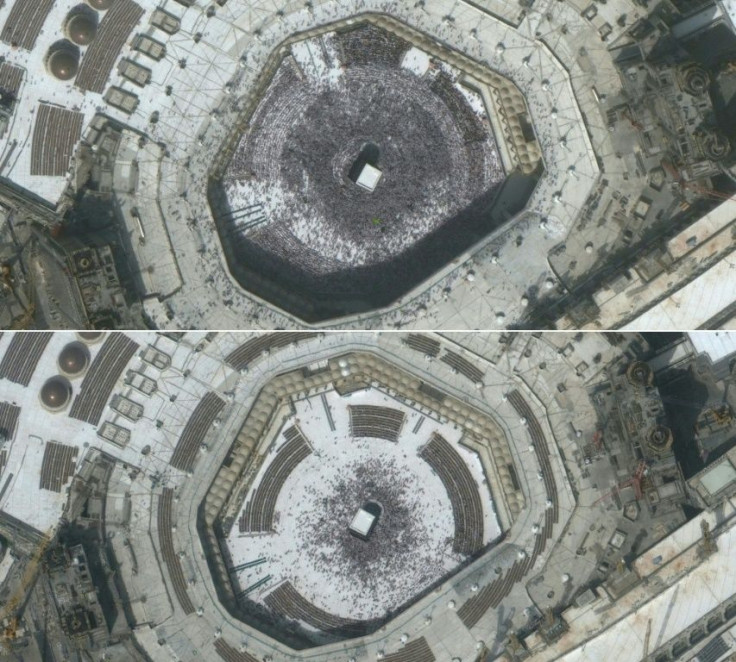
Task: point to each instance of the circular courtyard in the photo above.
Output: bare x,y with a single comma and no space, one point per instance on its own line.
366,165
361,505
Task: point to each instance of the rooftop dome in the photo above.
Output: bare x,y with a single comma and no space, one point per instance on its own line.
81,29
56,393
100,5
63,65
90,336
74,359
660,439
640,374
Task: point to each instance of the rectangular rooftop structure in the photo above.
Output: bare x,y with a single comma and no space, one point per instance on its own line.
115,434
165,21
156,358
362,524
122,99
140,382
369,177
719,477
126,407
134,72
145,44
11,78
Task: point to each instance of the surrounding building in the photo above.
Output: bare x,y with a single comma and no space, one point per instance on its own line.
430,164
335,496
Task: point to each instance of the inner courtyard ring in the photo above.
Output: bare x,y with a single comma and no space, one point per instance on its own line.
320,248
418,538
244,497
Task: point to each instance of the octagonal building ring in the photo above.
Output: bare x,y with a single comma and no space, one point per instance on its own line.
367,157
437,473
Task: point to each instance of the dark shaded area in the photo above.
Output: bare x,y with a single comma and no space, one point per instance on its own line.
691,511
315,297
723,94
373,508
74,534
92,221
712,45
329,248
658,340
684,397
369,155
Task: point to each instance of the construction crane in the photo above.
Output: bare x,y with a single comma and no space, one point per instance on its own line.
635,123
693,186
10,612
598,440
727,386
6,277
635,480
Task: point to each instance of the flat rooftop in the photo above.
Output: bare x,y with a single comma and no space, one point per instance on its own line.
362,522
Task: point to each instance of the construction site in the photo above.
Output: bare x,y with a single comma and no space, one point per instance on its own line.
245,166
176,511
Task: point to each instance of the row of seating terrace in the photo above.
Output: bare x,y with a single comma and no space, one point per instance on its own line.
9,415
287,601
463,366
103,52
189,443
11,78
258,514
467,508
56,132
422,343
230,654
58,465
491,595
170,557
417,650
22,356
100,379
432,392
540,446
241,357
375,421
24,23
